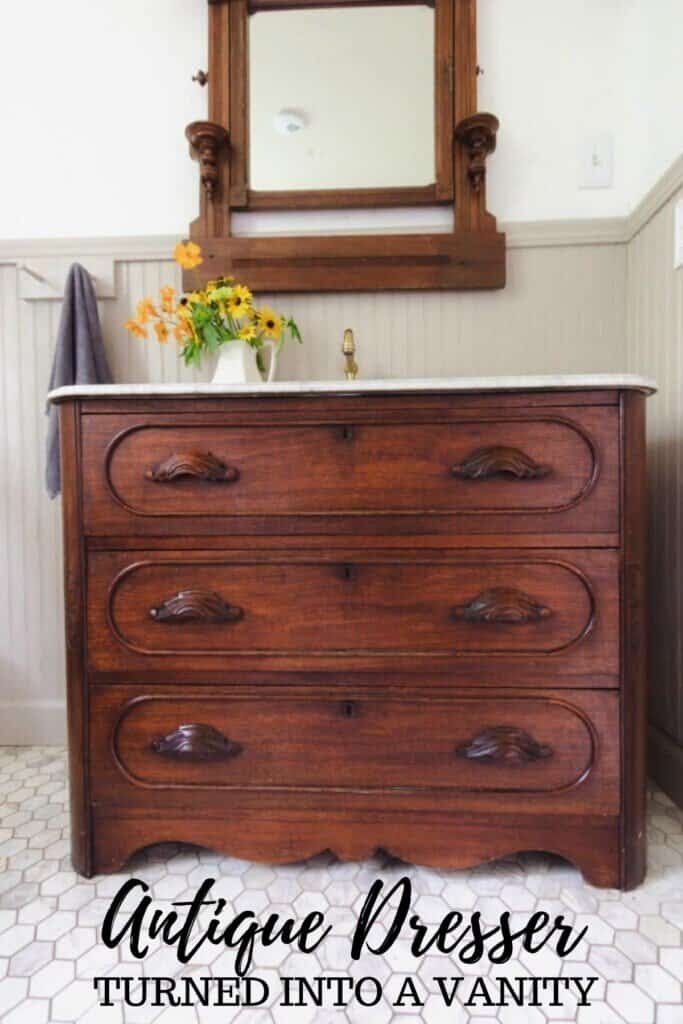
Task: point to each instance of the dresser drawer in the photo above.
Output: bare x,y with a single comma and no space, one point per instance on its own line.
541,471
553,610
541,746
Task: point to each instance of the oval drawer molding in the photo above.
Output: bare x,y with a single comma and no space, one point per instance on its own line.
502,605
306,743
389,607
195,606
505,743
199,465
195,742
499,460
541,464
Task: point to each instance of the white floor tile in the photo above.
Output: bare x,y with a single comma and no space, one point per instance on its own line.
49,920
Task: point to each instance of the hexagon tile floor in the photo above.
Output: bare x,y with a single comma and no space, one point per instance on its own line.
49,921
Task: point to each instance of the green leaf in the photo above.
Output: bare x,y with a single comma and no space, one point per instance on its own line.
294,330
211,337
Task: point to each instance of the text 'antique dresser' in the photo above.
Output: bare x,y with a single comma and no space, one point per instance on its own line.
406,616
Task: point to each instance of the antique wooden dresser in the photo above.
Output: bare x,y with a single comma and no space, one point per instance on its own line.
405,616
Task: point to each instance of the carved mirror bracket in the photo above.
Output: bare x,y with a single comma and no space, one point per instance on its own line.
206,142
470,256
477,134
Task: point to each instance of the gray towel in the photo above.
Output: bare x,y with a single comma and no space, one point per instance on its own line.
79,357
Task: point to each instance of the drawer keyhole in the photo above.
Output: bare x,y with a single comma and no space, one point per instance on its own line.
347,433
349,709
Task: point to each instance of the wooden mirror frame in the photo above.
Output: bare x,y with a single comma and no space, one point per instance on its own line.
471,256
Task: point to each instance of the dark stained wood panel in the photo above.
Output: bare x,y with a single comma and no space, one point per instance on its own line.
470,475
411,622
358,743
378,610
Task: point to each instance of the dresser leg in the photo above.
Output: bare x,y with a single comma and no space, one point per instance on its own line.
634,652
74,605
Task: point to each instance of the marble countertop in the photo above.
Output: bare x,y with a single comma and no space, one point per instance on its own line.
359,387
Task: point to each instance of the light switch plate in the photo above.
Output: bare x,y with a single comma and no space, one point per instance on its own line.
596,162
678,234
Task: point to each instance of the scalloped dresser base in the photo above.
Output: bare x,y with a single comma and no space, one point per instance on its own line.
432,839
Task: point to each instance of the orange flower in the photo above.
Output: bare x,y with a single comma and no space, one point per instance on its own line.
182,331
135,328
167,294
145,310
188,255
161,331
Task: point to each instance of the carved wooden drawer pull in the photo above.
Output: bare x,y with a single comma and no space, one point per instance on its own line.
498,460
196,742
196,606
200,465
504,743
502,604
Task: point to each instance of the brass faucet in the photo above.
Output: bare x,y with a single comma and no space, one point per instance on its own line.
349,351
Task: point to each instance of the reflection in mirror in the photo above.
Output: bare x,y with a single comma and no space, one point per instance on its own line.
341,98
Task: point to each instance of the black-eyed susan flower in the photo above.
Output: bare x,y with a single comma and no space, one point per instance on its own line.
240,300
269,322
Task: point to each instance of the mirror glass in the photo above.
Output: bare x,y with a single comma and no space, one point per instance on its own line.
341,97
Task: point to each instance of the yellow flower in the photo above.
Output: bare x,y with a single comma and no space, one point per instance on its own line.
145,310
240,300
167,294
248,332
196,297
161,331
188,255
135,328
269,322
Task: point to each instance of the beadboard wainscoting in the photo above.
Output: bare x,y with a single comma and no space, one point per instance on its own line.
564,310
655,337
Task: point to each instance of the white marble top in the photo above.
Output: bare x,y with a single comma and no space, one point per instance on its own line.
356,387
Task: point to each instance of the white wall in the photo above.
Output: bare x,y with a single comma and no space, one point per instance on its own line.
553,74
654,90
96,97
